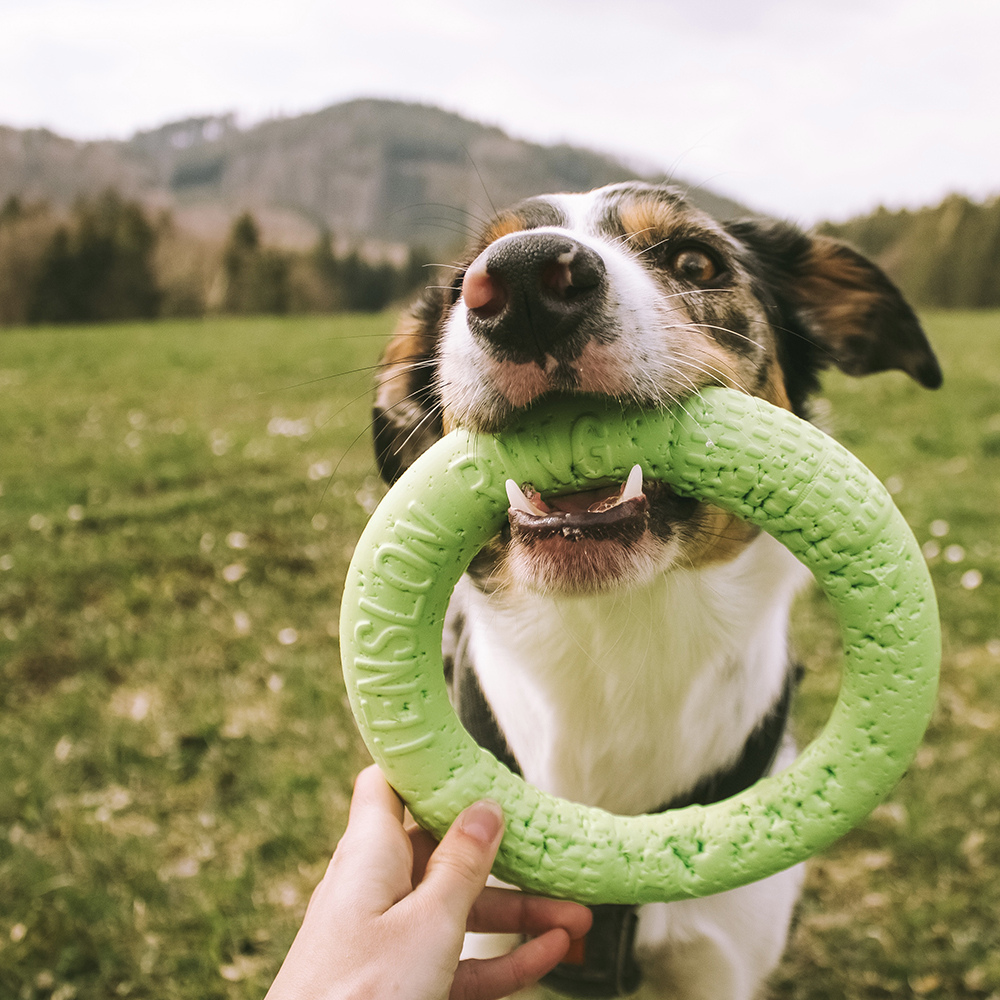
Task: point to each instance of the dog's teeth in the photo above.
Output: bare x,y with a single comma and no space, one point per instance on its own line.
519,501
633,485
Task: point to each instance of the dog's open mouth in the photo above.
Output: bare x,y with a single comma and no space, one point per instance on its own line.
616,513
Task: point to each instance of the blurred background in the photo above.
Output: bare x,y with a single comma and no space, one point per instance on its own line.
210,215
372,136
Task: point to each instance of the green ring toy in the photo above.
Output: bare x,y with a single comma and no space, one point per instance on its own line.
735,451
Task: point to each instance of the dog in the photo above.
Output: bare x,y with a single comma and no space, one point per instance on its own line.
627,648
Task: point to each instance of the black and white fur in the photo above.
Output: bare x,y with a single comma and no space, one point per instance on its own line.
625,664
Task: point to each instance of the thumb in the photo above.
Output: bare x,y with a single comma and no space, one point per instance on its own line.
457,871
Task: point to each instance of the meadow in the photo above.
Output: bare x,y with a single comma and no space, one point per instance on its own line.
178,505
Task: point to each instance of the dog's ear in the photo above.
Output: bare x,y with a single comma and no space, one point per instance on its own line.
834,306
406,416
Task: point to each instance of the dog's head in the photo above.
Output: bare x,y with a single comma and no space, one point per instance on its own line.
629,292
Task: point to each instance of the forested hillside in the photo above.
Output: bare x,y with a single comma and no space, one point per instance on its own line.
340,209
376,174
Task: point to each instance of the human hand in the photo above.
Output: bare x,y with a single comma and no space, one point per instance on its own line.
389,916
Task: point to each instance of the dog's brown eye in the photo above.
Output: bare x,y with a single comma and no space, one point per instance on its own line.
695,266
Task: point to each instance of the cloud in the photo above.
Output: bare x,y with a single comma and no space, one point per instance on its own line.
800,107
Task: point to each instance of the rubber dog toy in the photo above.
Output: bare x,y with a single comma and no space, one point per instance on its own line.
738,452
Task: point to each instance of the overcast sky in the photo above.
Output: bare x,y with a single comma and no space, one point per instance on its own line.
804,108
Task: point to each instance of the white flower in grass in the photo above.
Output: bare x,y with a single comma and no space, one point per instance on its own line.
284,427
234,572
220,442
237,540
972,579
940,528
954,554
320,470
288,895
140,706
288,637
183,868
241,622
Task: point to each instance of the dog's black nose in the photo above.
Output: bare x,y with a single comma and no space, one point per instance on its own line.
530,295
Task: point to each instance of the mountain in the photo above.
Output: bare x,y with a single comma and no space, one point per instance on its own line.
378,173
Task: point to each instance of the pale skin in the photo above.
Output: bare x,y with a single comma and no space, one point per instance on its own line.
389,916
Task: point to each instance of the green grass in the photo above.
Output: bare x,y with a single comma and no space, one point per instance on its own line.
179,502
176,762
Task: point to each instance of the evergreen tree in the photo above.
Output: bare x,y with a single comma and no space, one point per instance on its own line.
12,210
326,268
366,287
98,268
57,296
256,278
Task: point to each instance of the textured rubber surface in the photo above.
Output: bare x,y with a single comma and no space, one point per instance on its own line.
738,452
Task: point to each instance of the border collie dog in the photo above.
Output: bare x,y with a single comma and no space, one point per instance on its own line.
627,648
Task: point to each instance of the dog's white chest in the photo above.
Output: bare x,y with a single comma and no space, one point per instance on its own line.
625,700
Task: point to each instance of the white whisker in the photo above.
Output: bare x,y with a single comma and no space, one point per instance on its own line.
694,325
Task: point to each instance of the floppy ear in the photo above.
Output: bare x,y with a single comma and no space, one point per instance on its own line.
406,416
834,306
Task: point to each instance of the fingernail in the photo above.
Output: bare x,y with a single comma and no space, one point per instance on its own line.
482,821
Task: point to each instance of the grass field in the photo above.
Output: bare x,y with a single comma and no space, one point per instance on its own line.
178,503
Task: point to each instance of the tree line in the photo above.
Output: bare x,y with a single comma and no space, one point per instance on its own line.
110,259
947,256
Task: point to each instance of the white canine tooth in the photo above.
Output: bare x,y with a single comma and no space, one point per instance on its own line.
633,485
519,501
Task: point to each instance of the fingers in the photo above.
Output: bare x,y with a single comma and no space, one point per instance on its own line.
492,978
374,859
457,870
508,911
373,796
424,846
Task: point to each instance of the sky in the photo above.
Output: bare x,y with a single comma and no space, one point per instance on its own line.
806,109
